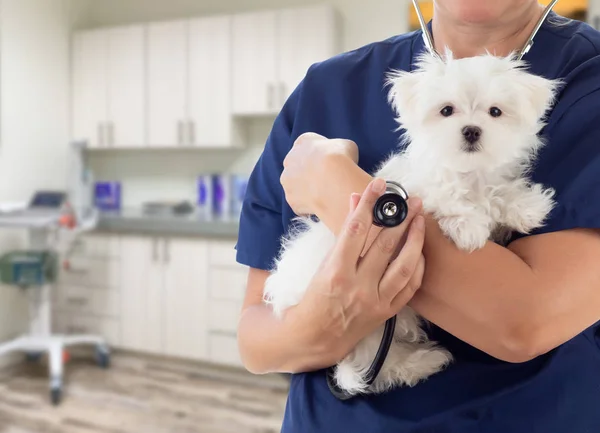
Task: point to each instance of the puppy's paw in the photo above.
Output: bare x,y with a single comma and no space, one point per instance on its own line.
529,209
469,234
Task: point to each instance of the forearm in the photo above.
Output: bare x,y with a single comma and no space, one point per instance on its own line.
270,345
483,298
488,298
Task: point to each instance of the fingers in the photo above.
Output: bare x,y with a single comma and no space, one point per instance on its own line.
387,243
406,294
353,235
395,281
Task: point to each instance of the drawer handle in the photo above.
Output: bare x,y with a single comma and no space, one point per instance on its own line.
78,271
77,329
77,301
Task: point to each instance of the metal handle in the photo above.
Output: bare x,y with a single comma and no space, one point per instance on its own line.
100,134
154,250
282,95
166,251
271,95
77,329
180,132
77,301
192,132
111,134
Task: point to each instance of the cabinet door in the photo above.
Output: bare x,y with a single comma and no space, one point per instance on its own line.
210,82
254,63
306,36
186,315
89,87
141,294
126,86
167,83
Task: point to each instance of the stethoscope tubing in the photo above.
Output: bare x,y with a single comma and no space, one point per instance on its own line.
428,38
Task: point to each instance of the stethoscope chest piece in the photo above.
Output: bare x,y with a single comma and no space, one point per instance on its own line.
391,209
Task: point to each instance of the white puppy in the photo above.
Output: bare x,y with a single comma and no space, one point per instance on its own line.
471,135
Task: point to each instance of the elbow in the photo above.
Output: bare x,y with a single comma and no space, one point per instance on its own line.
522,343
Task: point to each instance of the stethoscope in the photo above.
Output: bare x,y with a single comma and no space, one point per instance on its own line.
391,210
526,48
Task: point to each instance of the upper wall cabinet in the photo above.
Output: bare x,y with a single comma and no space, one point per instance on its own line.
272,52
181,84
108,87
189,83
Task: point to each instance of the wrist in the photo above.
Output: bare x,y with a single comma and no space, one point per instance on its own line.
315,345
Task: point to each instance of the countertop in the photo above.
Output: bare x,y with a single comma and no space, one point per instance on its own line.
137,222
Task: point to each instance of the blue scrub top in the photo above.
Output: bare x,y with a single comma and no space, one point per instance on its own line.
344,97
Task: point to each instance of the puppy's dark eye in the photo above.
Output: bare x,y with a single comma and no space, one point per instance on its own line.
447,111
495,112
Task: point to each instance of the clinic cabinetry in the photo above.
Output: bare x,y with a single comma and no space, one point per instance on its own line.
108,89
272,52
157,295
186,83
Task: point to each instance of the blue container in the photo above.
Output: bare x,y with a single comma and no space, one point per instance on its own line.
221,196
205,193
107,196
239,184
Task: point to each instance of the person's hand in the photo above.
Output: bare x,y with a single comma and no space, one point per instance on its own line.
304,169
354,293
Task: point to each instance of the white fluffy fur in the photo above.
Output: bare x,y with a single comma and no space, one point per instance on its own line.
475,196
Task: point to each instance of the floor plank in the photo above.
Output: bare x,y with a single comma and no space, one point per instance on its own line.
141,394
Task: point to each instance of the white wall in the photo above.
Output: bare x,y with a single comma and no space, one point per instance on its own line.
366,20
34,95
594,13
145,176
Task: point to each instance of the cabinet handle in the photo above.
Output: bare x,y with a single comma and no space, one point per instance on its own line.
154,250
282,95
111,134
100,134
77,301
166,251
180,132
271,94
192,132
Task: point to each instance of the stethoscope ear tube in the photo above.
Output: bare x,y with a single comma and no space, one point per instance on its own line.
390,210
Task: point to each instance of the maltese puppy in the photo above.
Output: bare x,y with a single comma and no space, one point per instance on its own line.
471,134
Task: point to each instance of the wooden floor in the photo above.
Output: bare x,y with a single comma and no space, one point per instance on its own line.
141,395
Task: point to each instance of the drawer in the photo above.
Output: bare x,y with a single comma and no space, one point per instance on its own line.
223,349
98,246
107,328
227,284
95,301
93,272
223,253
224,315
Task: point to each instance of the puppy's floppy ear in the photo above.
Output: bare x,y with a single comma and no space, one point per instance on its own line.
403,90
538,92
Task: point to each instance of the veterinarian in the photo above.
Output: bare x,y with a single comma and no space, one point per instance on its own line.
522,321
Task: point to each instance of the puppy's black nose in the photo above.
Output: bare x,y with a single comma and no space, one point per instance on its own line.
472,134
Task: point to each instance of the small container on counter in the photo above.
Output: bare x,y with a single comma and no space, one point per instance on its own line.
220,196
107,196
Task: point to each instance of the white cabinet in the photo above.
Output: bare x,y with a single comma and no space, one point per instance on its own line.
167,83
254,63
185,298
164,296
189,70
142,295
126,87
89,87
108,87
210,65
272,52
